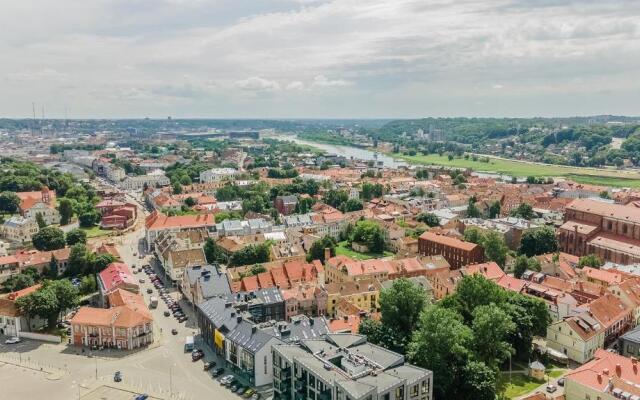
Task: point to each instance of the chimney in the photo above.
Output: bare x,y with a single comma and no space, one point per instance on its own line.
327,253
346,318
599,378
618,369
605,371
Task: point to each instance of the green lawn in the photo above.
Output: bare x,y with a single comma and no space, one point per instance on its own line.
603,176
520,384
344,249
95,231
554,373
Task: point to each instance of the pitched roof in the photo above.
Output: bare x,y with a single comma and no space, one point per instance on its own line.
616,211
448,241
115,275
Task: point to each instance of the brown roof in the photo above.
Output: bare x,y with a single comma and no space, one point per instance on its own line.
606,209
448,241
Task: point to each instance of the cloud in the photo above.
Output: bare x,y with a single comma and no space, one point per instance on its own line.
257,84
323,81
295,85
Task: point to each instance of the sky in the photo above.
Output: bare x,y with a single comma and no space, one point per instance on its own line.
319,58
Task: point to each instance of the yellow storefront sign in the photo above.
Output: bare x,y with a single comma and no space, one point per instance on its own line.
218,339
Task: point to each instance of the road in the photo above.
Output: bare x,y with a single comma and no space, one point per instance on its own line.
162,369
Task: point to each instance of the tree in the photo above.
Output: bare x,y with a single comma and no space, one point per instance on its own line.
190,201
89,218
352,205
78,263
214,253
9,202
41,303
252,254
429,219
100,262
380,334
401,306
494,209
524,210
335,198
479,381
66,211
66,294
76,236
491,329
177,188
590,260
441,345
473,235
302,207
48,238
88,285
370,234
17,282
317,249
538,241
53,268
472,209
474,291
494,248
371,190
40,220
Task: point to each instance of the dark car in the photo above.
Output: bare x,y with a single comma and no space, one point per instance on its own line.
167,313
236,388
208,365
183,318
217,372
561,382
117,377
174,331
149,290
229,383
197,355
141,397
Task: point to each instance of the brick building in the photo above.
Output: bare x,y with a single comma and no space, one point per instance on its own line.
458,253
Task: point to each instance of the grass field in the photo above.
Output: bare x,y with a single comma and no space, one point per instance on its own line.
595,176
343,249
520,384
96,232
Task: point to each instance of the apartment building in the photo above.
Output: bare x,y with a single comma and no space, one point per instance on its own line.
340,366
218,174
458,253
610,231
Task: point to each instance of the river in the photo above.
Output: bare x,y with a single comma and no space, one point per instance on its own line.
350,152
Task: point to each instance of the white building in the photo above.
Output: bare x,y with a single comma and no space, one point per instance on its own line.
152,179
218,174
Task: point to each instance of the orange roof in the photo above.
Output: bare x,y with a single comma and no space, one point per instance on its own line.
608,309
596,374
349,323
19,293
448,241
489,270
616,211
602,275
509,282
161,221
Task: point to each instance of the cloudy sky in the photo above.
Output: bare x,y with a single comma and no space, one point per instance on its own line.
319,58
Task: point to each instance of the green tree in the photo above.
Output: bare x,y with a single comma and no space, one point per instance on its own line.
9,202
252,254
401,306
66,294
53,268
524,210
429,219
78,262
380,334
89,218
371,190
335,198
316,251
88,285
494,248
369,233
177,188
17,282
302,207
76,236
472,209
538,241
441,344
492,328
41,303
478,382
66,211
590,260
100,262
190,201
214,253
352,205
473,234
494,210
40,220
48,238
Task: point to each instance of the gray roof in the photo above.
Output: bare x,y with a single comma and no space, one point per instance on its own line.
382,381
262,296
300,328
220,312
356,389
212,282
249,337
346,339
632,336
409,372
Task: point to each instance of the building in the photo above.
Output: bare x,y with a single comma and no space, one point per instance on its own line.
19,229
127,324
218,174
364,294
608,376
629,343
510,229
577,337
200,283
12,321
343,269
610,231
305,299
41,202
285,204
116,214
157,223
117,276
155,178
178,250
344,366
458,253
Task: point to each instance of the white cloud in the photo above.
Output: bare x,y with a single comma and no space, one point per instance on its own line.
295,85
257,84
323,81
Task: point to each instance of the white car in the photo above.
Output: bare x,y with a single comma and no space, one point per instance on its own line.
12,340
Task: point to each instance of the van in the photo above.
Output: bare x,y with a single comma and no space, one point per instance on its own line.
153,302
189,344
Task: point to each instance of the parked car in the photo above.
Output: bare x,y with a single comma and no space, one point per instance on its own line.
149,290
208,365
561,382
226,378
167,313
197,355
217,372
255,396
236,388
141,397
12,340
174,331
117,377
182,319
551,388
230,382
249,392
